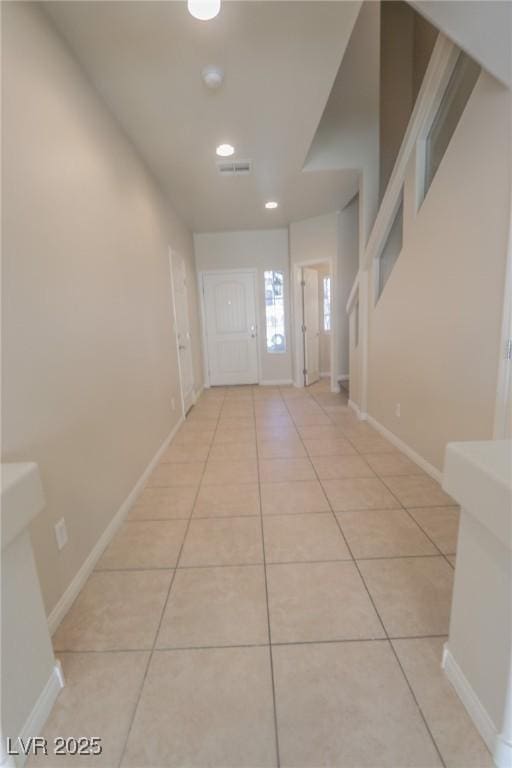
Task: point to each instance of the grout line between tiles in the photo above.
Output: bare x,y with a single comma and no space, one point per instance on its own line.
271,658
422,715
153,648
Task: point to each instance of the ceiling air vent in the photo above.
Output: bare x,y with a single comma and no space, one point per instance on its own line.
234,167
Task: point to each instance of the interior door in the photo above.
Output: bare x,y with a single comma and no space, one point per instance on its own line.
231,334
311,329
179,280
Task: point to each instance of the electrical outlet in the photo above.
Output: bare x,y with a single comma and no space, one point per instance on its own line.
397,410
173,404
61,533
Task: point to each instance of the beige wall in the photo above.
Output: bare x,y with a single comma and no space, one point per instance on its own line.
434,335
89,361
261,249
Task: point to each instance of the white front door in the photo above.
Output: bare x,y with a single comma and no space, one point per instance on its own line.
179,281
311,328
231,337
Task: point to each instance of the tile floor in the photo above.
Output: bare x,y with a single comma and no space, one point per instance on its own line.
279,595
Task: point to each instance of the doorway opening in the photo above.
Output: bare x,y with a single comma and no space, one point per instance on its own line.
314,323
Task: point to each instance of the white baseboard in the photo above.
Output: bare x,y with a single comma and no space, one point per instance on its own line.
197,394
343,377
361,415
397,442
410,452
276,383
474,706
71,593
37,718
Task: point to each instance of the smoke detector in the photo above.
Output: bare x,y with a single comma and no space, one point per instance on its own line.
212,76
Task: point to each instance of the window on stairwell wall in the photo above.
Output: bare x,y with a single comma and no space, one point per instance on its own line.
327,303
456,96
391,250
274,311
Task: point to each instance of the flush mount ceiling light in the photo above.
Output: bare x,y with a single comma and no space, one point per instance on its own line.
212,76
271,205
204,10
225,150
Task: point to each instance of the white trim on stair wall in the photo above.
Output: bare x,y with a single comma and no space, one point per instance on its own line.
37,718
472,703
71,593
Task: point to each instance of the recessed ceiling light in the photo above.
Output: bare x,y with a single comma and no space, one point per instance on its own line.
271,204
204,10
225,150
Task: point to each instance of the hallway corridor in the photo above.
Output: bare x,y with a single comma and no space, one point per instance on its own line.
279,595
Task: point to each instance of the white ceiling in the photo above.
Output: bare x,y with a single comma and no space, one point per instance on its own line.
280,59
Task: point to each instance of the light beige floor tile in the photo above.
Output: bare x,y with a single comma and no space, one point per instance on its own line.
355,428
178,453
413,595
456,736
270,407
232,471
441,524
419,491
201,419
311,419
210,707
383,533
321,432
242,422
452,559
171,475
339,467
328,446
216,606
116,610
285,470
242,392
392,464
205,410
221,451
332,401
281,449
164,503
277,433
371,445
291,393
236,410
223,541
144,544
319,601
347,705
187,436
358,493
292,497
97,686
228,435
201,422
290,538
227,500
274,422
